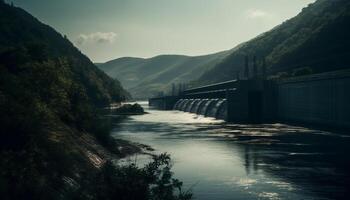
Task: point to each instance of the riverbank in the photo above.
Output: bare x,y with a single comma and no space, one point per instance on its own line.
91,162
91,149
123,148
98,154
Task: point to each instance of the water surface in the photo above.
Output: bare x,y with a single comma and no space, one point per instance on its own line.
222,161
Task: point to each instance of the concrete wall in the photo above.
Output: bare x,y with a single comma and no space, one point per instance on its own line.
237,106
253,101
322,99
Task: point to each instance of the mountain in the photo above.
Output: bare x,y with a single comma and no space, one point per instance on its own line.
316,40
146,77
55,140
50,95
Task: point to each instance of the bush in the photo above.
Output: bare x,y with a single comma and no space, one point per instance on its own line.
130,109
154,182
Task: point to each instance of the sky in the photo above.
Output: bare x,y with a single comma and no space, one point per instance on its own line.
109,29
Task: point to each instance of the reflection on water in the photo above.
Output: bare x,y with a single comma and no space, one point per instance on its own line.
226,161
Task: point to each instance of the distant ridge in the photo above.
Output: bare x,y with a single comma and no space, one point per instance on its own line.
316,40
145,77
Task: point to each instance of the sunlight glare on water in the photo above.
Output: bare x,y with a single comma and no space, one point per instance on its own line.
222,161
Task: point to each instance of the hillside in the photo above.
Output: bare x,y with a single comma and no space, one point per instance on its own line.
49,96
316,40
146,77
54,142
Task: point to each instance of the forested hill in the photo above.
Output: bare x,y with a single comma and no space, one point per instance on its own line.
316,40
24,39
49,97
146,77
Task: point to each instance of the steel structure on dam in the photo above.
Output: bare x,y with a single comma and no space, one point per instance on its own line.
320,99
233,101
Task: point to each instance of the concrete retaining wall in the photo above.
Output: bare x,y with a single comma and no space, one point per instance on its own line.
322,99
253,101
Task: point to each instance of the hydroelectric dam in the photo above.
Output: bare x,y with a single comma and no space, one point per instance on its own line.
321,100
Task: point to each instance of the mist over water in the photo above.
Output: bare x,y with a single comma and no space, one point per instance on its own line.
228,161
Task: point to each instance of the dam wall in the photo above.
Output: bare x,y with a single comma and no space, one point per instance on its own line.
243,101
216,108
253,101
322,100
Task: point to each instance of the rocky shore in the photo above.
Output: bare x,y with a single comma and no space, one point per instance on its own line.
128,109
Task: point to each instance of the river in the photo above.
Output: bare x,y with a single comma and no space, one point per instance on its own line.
221,161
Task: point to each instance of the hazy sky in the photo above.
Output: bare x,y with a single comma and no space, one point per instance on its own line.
108,29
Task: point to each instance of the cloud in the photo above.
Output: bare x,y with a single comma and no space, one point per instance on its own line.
98,37
255,13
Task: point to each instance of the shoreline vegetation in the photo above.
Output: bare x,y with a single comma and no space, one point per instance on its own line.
113,114
55,144
152,181
127,109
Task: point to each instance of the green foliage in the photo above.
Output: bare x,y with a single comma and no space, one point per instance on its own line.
317,38
163,185
101,129
49,94
129,109
154,182
47,74
48,90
